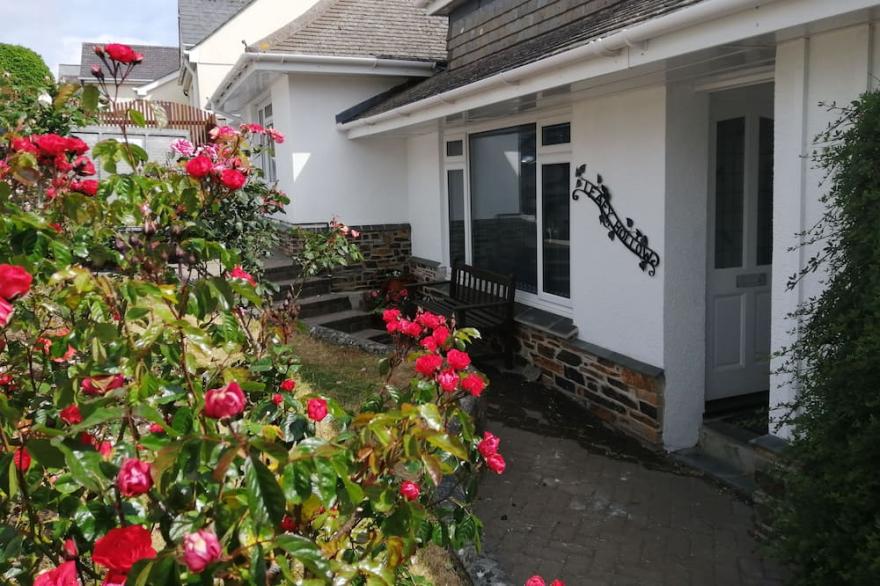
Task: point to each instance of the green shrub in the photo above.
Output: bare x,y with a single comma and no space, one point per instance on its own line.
826,522
26,68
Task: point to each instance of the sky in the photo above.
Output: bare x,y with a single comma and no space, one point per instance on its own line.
56,28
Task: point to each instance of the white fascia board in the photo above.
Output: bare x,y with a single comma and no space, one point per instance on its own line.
145,89
704,25
435,7
250,63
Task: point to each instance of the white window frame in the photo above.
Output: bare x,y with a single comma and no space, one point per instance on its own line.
545,154
267,161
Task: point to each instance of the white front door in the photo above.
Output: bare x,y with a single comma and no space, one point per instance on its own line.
740,242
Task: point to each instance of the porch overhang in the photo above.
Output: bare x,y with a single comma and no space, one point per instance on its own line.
644,50
254,71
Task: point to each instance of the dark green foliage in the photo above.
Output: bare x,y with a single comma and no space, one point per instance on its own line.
25,68
827,521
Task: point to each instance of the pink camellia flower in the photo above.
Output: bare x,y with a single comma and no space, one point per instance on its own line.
448,381
410,490
474,384
356,234
496,463
240,273
458,360
317,409
102,384
277,398
105,448
440,335
428,364
63,575
489,444
199,167
122,53
50,145
276,136
22,459
288,385
410,328
15,281
255,128
134,477
200,549
220,133
535,581
123,547
225,402
183,147
87,186
233,179
71,415
6,311
390,315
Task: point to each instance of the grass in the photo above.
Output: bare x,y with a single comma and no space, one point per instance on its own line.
350,376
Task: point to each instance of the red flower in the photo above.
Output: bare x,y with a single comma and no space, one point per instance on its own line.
102,384
70,549
288,385
252,128
86,186
496,463
156,428
410,328
15,281
134,478
123,547
200,549
277,398
6,311
77,146
232,179
474,384
50,145
390,315
489,444
430,320
448,381
122,53
410,490
6,380
71,415
84,166
557,583
240,273
199,167
63,575
105,449
22,459
428,364
226,402
429,344
393,326
535,581
57,227
24,145
440,335
317,409
288,524
458,360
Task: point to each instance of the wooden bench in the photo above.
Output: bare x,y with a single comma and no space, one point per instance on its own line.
475,298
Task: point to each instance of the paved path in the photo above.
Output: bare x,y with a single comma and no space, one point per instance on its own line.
593,508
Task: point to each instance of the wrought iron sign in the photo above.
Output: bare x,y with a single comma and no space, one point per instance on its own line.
629,236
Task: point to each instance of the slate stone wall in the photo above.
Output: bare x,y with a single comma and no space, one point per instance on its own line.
623,393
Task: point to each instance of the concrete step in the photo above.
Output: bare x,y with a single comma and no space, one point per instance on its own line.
348,321
311,288
374,335
324,304
729,444
735,479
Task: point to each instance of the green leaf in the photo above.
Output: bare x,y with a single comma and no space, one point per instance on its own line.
447,444
431,414
265,498
137,118
45,453
324,482
82,470
306,552
297,482
63,95
98,416
90,97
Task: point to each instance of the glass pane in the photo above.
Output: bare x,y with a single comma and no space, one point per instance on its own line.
503,203
556,230
729,178
765,192
455,148
455,191
556,134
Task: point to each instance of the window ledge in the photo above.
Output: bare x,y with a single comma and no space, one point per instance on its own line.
545,321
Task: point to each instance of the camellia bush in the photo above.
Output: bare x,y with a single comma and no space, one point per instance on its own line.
151,428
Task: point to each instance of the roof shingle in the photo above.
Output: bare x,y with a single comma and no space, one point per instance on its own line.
197,19
362,28
158,61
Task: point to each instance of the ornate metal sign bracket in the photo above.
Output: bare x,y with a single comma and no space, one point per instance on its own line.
629,236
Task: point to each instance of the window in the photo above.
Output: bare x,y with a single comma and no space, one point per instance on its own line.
455,193
729,192
556,228
267,157
556,134
455,148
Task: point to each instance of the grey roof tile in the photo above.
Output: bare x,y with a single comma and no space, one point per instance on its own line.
158,61
617,16
362,28
197,19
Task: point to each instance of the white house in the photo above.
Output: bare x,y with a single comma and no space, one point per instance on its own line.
699,116
154,79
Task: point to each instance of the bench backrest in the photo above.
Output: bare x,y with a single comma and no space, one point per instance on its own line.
470,285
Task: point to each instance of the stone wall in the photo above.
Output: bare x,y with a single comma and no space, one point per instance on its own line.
625,394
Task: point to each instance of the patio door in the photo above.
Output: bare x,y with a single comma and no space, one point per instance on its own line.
740,242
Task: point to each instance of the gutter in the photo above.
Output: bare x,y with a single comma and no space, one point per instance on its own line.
305,63
639,34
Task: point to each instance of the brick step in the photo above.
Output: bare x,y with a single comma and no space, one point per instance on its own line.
324,304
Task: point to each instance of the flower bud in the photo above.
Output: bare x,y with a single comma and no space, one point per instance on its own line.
97,71
99,50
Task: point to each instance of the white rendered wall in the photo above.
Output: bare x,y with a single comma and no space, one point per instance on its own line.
426,201
684,260
616,305
169,91
826,67
324,172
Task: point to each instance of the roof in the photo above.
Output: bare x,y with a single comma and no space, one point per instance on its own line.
197,19
614,17
158,62
394,29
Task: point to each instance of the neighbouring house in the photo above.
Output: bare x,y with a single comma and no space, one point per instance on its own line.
653,286
154,79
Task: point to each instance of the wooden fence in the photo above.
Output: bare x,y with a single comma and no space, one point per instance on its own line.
180,116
